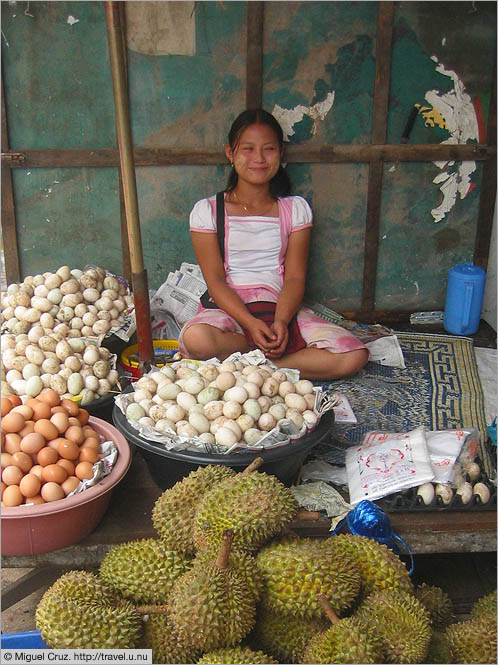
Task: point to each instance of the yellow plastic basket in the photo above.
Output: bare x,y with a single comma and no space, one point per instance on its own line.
129,357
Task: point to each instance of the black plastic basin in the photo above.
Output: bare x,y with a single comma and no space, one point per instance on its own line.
169,466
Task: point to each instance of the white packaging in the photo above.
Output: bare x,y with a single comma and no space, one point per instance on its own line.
444,447
387,462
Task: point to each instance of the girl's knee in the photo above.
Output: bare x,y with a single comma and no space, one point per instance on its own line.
196,341
349,363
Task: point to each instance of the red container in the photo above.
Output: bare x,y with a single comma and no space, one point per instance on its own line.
51,526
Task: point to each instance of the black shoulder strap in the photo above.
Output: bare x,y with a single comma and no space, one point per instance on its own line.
220,222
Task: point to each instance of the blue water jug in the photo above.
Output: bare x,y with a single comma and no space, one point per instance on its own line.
464,295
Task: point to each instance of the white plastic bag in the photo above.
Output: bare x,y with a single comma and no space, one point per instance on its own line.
387,462
444,447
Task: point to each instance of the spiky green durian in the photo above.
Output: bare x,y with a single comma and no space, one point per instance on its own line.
255,506
236,655
210,606
283,636
380,568
173,512
166,646
473,641
401,621
439,651
69,617
295,570
438,604
244,563
350,640
143,570
485,607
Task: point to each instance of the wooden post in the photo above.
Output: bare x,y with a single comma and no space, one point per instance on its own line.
126,160
254,55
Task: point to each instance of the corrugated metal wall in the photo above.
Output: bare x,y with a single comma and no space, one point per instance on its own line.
187,70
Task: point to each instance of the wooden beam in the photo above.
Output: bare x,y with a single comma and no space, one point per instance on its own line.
487,200
325,154
9,233
125,247
385,19
254,55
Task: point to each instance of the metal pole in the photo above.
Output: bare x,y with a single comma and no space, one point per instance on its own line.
123,131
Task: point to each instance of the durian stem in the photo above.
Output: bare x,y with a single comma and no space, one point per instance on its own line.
328,609
152,609
225,547
254,465
307,515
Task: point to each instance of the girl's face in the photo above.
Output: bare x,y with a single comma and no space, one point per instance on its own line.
257,155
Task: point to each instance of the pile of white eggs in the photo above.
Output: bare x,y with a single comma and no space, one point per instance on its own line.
221,404
48,324
74,303
70,366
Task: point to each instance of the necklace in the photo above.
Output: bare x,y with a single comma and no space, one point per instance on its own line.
244,207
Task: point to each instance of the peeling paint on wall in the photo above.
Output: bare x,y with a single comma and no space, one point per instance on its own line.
455,112
289,117
161,28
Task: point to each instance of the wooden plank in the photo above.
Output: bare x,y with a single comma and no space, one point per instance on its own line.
9,232
385,19
487,200
325,154
254,55
125,247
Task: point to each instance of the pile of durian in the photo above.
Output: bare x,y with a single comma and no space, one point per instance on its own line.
227,581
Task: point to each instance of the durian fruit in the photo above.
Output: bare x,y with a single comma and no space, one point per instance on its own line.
245,564
210,606
255,506
143,570
166,646
173,512
401,621
348,640
438,604
380,568
485,607
70,617
439,650
295,570
235,655
283,636
473,641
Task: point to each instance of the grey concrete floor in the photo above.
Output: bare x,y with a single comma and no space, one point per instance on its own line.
21,616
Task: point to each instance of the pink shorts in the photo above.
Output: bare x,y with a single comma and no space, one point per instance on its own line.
316,331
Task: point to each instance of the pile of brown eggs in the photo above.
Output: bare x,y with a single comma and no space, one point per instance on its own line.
48,448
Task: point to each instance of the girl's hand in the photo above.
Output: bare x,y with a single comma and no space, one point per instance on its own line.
281,339
262,335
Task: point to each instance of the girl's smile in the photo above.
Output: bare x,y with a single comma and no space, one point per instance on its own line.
256,156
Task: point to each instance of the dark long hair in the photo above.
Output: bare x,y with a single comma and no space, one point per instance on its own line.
280,184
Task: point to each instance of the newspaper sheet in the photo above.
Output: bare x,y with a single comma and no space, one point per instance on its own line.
180,293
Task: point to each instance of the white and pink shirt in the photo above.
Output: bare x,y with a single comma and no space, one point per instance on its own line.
255,246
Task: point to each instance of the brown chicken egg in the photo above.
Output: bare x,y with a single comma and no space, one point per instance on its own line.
50,396
23,461
40,409
12,443
35,499
47,456
88,454
37,469
61,421
70,484
54,473
3,485
12,496
12,475
75,434
32,443
6,406
12,422
91,442
24,410
83,416
84,470
71,407
66,464
52,492
30,485
68,449
15,400
29,426
46,429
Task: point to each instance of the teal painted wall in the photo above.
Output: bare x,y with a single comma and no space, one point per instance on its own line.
58,90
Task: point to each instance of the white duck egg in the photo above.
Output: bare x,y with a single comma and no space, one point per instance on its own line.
169,372
208,372
279,376
285,388
252,390
134,411
168,390
214,409
186,400
270,387
232,409
225,380
165,425
267,422
140,394
194,384
146,382
91,382
264,403
245,422
304,387
426,492
199,421
30,370
310,418
207,437
225,437
295,401
175,413
209,394
252,436
34,386
227,366
278,411
255,377
296,417
236,393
